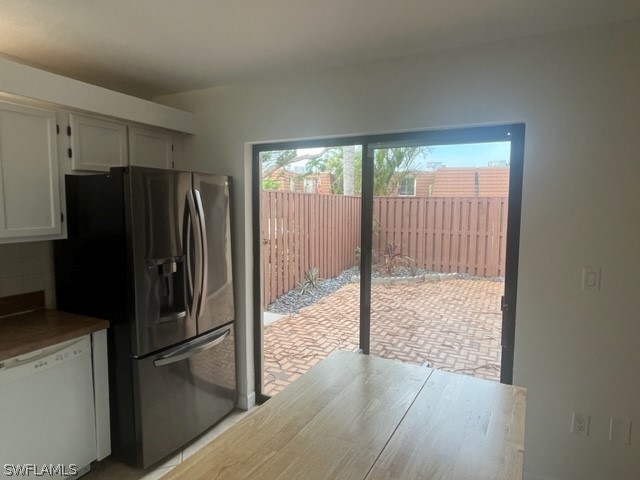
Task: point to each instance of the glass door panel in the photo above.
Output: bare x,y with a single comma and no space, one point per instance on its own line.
438,254
310,204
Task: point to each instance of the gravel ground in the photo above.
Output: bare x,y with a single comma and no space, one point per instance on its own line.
294,300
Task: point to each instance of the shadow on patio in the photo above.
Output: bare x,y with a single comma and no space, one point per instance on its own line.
452,325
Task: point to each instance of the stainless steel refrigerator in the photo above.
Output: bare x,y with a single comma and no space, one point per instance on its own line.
150,251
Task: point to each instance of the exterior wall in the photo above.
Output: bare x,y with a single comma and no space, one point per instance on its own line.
577,92
424,184
283,179
463,182
321,182
471,182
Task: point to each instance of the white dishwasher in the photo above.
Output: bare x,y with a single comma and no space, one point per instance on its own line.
47,413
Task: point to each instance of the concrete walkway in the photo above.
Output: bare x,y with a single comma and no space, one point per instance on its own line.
452,325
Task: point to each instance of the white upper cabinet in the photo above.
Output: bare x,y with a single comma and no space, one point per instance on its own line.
97,144
29,182
150,148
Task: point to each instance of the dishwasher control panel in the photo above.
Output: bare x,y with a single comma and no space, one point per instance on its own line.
40,360
59,358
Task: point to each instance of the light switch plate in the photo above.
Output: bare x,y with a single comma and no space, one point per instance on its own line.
620,430
591,278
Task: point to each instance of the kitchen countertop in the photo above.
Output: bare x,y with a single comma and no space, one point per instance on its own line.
22,333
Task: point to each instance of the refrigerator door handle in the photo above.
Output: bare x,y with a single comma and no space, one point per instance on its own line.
187,247
197,238
204,253
185,351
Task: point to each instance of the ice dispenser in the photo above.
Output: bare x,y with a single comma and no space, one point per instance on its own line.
170,287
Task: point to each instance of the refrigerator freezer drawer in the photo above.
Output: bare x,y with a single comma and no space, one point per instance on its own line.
182,392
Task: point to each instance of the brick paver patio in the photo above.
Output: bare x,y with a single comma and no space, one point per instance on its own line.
452,325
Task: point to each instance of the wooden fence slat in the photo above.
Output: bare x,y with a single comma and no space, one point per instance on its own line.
421,236
298,244
273,239
286,228
316,232
429,236
454,248
264,247
439,221
308,235
405,227
490,265
482,237
446,235
503,236
473,237
464,235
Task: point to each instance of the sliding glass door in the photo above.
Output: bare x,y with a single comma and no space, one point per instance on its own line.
426,228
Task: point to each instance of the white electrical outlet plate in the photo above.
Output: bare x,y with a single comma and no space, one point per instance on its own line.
620,430
580,424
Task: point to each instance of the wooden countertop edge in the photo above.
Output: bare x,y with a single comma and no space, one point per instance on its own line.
41,328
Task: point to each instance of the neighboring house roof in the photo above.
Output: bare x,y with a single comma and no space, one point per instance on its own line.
471,182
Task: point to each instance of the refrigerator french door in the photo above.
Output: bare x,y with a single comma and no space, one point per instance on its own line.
150,250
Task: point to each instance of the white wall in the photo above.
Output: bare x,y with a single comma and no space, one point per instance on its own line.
579,94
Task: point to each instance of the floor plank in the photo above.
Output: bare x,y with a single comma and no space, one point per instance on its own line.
458,428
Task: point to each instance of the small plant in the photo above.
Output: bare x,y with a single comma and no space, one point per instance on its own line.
413,268
391,260
270,184
358,256
309,281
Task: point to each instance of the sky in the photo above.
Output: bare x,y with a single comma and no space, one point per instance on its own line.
469,155
461,155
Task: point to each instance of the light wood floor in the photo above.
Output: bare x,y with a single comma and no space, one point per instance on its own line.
110,469
361,417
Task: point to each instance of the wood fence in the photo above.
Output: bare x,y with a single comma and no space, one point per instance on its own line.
301,231
444,234
440,234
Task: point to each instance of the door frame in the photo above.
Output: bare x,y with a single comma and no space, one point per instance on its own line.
514,133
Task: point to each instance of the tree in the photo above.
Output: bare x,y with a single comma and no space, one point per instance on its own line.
348,169
390,166
270,184
277,160
331,162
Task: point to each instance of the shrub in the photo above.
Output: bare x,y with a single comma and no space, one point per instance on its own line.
309,281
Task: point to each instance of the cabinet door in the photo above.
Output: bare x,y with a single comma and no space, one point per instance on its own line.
150,148
29,183
97,145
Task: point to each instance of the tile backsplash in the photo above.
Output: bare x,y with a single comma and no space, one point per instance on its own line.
27,267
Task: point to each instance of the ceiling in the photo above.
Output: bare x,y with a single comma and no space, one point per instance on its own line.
153,47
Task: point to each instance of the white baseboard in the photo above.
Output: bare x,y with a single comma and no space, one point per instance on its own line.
246,402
